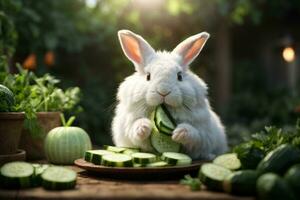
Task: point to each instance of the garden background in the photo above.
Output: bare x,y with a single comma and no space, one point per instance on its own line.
250,62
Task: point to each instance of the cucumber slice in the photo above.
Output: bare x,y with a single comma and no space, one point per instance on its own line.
130,151
143,158
114,148
137,165
212,176
163,129
162,142
17,175
38,171
95,156
229,161
163,119
158,164
241,182
58,178
173,158
117,160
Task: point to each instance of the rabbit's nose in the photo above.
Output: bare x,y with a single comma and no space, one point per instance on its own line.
164,94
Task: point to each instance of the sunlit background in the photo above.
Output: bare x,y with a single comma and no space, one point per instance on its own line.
250,62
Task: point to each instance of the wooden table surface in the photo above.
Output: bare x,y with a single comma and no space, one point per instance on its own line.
93,187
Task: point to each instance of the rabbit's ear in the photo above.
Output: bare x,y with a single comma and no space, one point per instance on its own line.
135,48
190,48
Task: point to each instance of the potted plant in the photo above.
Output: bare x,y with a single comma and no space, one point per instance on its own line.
42,102
11,124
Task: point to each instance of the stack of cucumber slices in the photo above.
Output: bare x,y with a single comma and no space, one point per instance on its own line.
163,126
16,175
112,156
276,176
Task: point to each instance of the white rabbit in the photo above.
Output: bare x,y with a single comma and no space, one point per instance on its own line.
164,77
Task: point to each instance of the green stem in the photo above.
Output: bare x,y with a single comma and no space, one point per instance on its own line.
70,121
62,118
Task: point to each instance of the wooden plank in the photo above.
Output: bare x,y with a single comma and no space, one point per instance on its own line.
91,187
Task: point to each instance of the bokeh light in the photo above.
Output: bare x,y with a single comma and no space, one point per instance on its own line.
288,54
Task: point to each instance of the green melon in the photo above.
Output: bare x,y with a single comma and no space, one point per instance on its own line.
65,144
7,100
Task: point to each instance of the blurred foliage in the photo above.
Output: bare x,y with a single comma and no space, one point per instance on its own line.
8,34
255,105
78,44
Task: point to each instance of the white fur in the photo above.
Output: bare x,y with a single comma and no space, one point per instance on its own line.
199,129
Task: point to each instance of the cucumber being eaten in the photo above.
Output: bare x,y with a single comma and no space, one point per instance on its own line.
163,120
161,135
16,175
58,178
162,142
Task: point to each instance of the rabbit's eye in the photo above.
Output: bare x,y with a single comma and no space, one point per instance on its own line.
179,76
148,76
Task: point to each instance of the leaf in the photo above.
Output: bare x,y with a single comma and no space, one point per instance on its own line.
193,183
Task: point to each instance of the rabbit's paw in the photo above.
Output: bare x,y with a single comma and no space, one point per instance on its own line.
183,134
142,128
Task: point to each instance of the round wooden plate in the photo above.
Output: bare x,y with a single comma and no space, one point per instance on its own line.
171,172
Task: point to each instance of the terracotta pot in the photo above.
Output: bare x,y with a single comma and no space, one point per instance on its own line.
11,124
20,155
34,146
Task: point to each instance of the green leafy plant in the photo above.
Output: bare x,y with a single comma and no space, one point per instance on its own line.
261,143
40,94
193,183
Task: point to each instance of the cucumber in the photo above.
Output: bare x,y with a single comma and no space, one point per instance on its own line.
162,142
212,176
241,182
292,177
279,160
117,160
143,158
157,164
114,148
173,158
137,165
163,120
95,156
249,154
270,186
165,130
229,161
38,171
58,178
130,151
17,175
